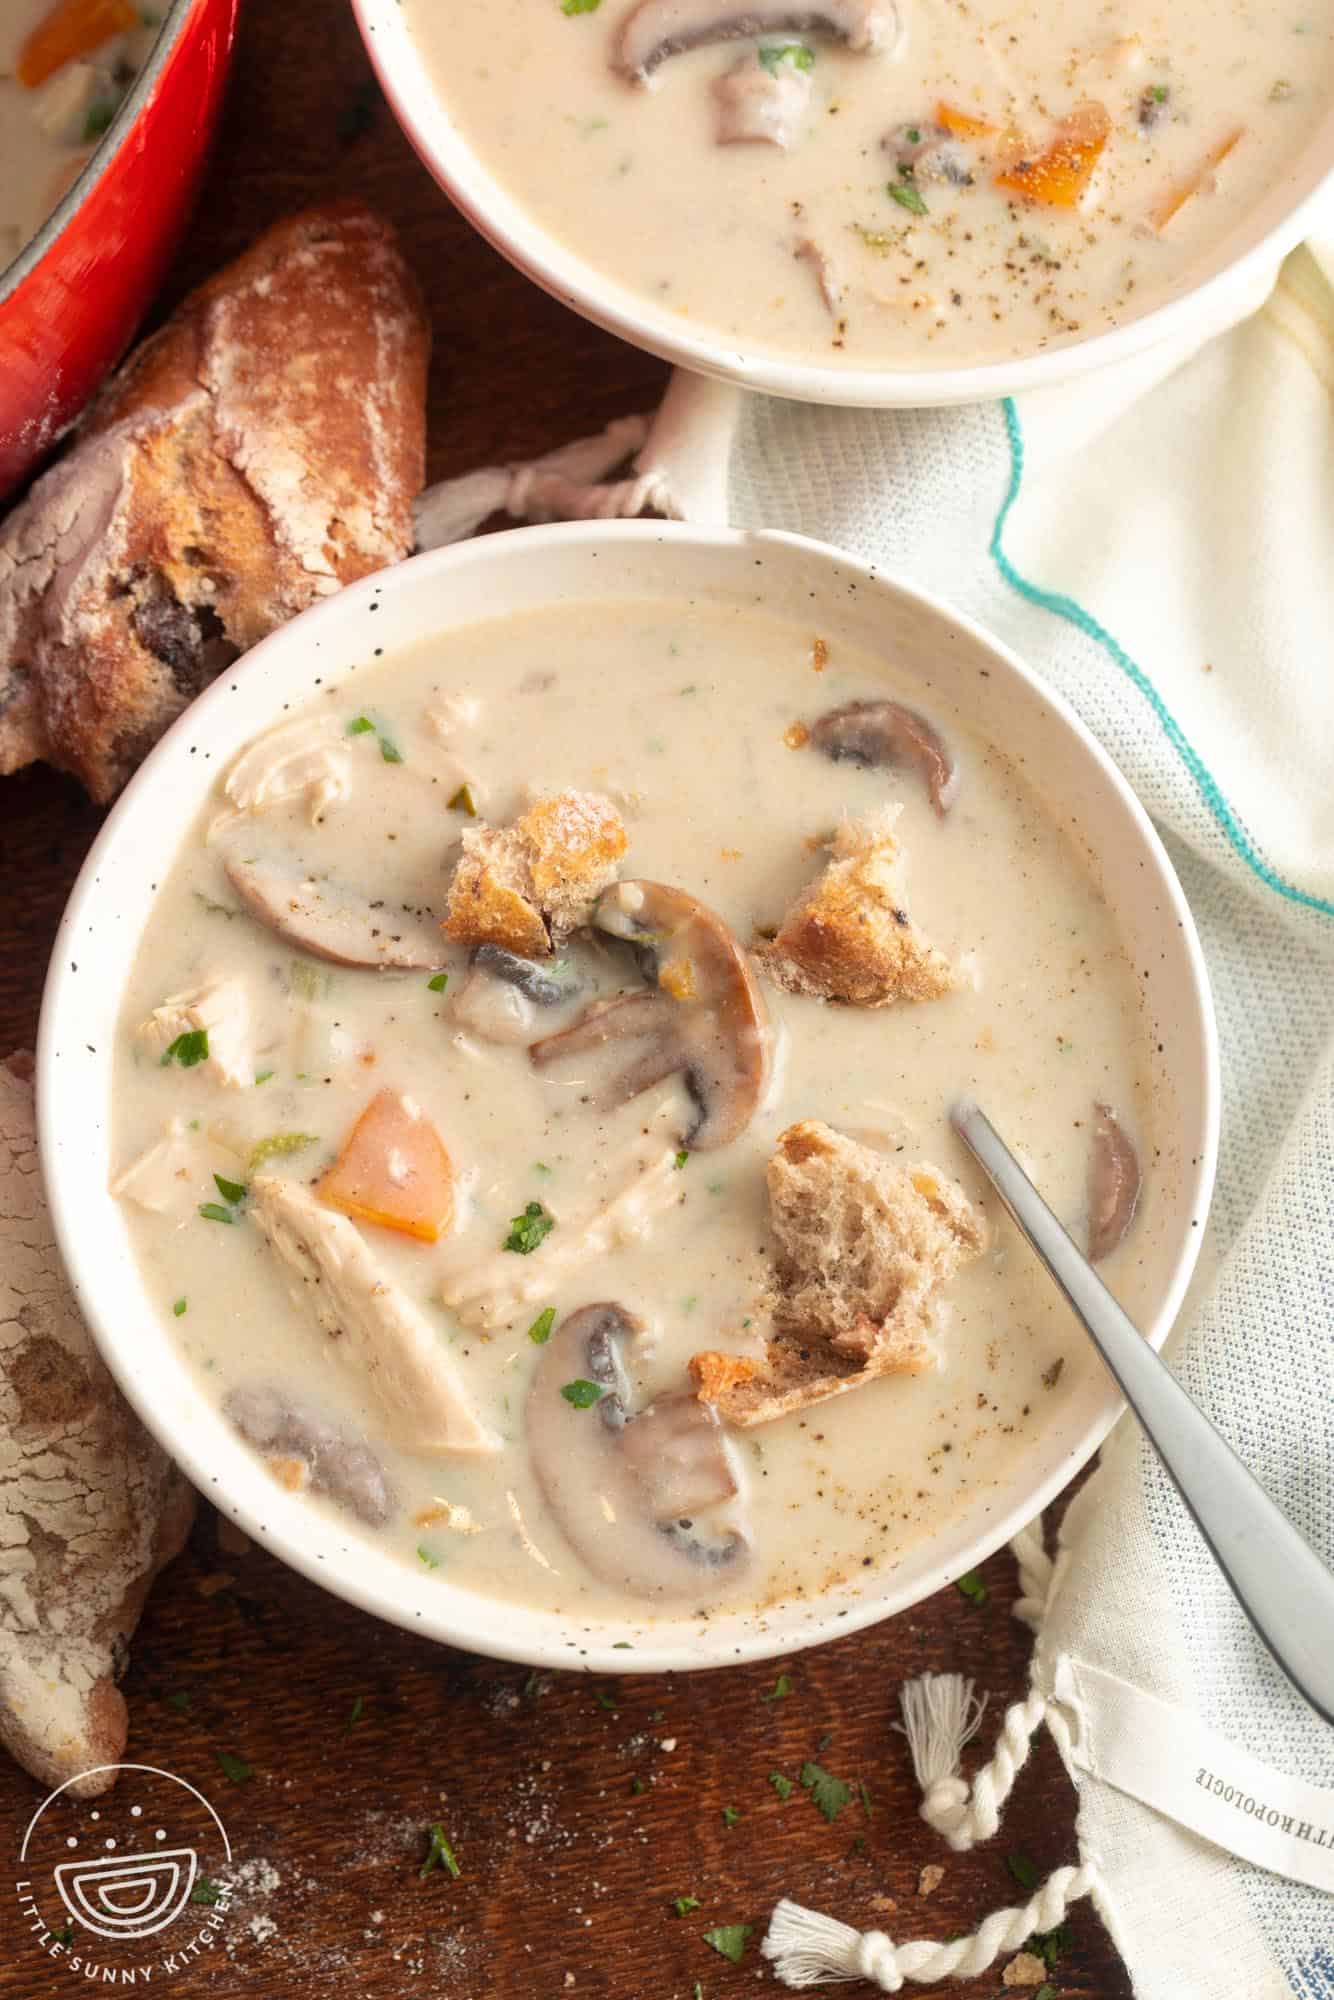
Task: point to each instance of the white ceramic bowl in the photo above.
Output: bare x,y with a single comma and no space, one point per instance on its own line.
451,587
1232,284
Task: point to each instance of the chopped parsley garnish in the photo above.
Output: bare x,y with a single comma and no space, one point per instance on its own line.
829,1793
361,725
231,1191
528,1230
971,1586
358,1710
390,751
1045,1992
99,117
205,1892
234,1767
913,136
783,1786
424,1555
464,801
278,1146
604,1700
780,1690
214,909
1050,1946
213,1211
263,1075
540,1330
729,1940
907,196
796,53
582,1395
682,1157
438,984
683,1905
179,1308
1023,1871
622,1646
730,1815
187,1049
1158,92
579,6
439,1855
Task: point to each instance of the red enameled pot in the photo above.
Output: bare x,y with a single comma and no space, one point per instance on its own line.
71,301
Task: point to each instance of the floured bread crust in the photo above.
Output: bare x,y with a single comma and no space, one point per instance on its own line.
849,936
863,1248
525,887
90,1508
258,452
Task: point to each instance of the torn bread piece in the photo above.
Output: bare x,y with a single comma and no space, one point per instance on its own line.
849,936
863,1248
525,887
259,451
219,1011
374,1328
90,1508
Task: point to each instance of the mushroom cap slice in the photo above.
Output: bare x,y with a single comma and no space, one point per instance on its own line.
702,1018
885,733
318,916
657,29
626,1486
1114,1185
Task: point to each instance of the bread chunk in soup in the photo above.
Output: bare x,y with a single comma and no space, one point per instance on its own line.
532,1109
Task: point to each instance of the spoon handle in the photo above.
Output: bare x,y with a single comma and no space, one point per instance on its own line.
1280,1583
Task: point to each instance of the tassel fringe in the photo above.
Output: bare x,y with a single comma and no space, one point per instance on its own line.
565,485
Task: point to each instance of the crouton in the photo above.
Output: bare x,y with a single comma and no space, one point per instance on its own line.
862,1250
525,887
849,937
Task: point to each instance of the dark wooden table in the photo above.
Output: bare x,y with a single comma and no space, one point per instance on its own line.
574,1825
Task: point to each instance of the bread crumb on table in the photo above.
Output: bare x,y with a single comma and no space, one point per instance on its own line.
930,1879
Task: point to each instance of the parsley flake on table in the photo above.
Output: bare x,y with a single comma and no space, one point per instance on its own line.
783,1786
439,1855
780,1690
1045,1992
205,1892
358,1710
528,1230
180,1702
234,1768
187,1049
731,1815
637,1786
729,1940
971,1586
829,1793
540,1330
582,1395
683,1905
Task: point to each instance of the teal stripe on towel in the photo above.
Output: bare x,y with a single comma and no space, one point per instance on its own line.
1083,621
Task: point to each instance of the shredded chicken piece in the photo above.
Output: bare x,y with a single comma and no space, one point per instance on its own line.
172,1177
309,760
221,1008
762,102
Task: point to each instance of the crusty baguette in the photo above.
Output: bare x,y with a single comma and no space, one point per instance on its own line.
90,1508
849,937
527,886
259,451
862,1250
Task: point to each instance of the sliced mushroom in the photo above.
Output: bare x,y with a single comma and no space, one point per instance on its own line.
1114,1186
345,1469
832,289
885,732
657,29
702,1019
627,1487
333,923
929,152
763,102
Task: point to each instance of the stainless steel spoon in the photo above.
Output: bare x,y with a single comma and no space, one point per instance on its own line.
1277,1578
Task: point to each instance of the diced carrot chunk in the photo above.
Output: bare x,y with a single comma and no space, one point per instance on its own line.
1059,174
71,29
962,123
393,1170
1175,200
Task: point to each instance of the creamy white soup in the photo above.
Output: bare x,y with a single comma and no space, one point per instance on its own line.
65,65
442,1231
887,182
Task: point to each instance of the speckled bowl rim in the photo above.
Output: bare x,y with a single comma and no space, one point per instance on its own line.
82,999
1193,315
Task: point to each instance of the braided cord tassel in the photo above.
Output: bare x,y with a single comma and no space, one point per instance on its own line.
810,1950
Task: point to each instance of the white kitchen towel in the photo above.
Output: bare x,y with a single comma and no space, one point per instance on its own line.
1160,547
1157,542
